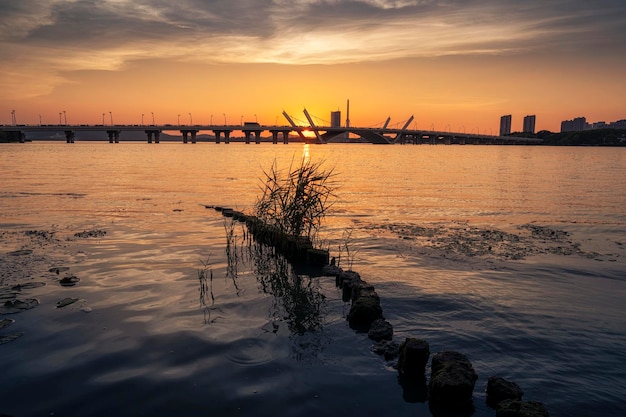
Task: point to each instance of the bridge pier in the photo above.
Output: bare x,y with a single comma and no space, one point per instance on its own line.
257,136
156,133
218,134
114,136
186,133
69,136
275,133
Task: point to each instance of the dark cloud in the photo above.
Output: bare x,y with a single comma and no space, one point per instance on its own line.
403,26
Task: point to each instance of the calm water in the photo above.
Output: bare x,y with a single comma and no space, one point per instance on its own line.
515,256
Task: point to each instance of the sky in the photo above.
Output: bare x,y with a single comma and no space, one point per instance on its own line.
455,65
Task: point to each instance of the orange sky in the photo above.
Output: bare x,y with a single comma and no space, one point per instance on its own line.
454,66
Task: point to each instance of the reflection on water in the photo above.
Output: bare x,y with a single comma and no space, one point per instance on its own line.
232,254
513,255
297,298
205,278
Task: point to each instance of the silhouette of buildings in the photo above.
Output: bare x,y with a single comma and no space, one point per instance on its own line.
529,124
335,118
505,125
580,123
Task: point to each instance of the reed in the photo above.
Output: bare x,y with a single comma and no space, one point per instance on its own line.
296,201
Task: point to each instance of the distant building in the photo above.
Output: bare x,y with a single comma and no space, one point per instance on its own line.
580,123
576,125
505,125
620,124
335,118
567,126
529,124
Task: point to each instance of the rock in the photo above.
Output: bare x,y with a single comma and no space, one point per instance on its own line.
69,281
20,252
380,329
316,257
58,269
90,233
347,277
28,286
388,349
452,380
6,323
16,306
518,408
363,289
414,355
499,389
331,270
363,312
66,301
9,337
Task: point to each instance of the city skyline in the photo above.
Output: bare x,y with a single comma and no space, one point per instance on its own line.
453,66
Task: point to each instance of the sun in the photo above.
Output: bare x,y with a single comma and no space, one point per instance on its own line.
309,134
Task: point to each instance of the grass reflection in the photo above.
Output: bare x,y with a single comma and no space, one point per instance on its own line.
297,298
205,278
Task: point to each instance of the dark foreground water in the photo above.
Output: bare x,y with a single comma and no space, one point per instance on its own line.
515,256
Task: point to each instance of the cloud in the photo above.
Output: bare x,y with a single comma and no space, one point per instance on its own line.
63,35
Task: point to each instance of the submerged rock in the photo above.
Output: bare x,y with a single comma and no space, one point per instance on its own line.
452,380
363,312
499,389
380,329
331,270
66,301
69,281
6,323
518,408
414,355
58,269
16,306
9,338
20,252
388,349
27,286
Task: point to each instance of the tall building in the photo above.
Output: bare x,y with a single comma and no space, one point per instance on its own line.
577,125
580,124
335,118
529,124
505,125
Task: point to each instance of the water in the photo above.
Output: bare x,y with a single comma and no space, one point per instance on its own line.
515,256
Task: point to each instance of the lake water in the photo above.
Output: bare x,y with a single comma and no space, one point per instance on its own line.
514,256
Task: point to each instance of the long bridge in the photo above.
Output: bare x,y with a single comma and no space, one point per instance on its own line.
252,132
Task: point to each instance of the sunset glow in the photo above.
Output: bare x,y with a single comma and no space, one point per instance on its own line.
461,64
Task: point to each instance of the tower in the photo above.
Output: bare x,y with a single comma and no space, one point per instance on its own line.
335,118
529,124
505,125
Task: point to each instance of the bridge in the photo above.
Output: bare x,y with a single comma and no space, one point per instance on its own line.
252,132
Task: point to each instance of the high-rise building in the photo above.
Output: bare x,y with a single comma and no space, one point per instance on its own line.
577,125
529,124
580,124
335,118
505,125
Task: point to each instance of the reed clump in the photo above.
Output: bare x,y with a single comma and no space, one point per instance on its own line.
295,201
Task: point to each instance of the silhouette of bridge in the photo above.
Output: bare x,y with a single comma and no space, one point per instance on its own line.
252,133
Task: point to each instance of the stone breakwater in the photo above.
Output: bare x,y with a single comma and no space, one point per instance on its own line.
296,249
452,377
